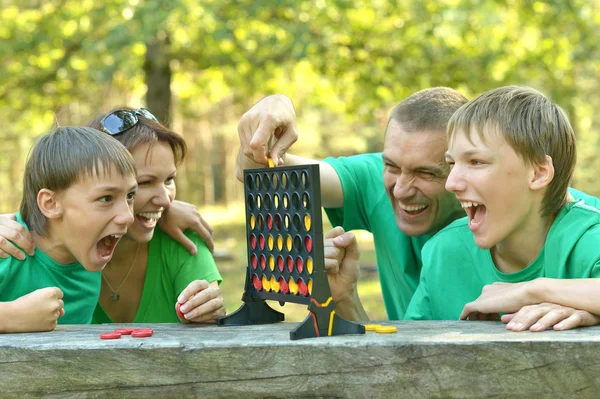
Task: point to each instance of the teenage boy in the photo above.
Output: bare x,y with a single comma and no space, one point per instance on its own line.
512,154
78,192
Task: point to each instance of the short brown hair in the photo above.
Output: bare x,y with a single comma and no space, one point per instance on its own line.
63,157
427,110
532,125
146,131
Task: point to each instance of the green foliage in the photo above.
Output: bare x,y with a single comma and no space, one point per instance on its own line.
345,63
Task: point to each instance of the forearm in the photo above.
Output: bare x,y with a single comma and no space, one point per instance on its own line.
583,294
332,194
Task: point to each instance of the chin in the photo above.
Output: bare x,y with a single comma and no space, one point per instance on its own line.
412,229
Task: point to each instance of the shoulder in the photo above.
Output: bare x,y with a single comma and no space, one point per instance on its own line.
170,247
455,235
370,162
587,199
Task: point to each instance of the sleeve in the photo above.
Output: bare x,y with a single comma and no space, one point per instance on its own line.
201,266
362,183
419,307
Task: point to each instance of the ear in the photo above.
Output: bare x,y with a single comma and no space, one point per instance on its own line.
49,203
543,173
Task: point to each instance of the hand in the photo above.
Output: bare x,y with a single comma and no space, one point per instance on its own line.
179,217
341,263
201,302
13,234
36,311
272,118
549,315
497,298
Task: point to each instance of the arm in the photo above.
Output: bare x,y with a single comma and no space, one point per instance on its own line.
179,217
341,262
269,129
36,311
13,234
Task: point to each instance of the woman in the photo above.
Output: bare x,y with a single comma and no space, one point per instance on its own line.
150,274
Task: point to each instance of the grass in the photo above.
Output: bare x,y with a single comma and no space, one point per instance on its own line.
230,240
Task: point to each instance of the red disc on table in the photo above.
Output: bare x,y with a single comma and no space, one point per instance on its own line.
124,331
308,244
253,241
290,264
261,242
142,333
285,288
110,335
178,310
302,288
257,282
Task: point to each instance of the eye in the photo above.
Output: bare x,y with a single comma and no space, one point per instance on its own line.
105,199
170,180
475,162
144,183
131,196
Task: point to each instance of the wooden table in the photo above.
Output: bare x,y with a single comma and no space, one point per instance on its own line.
423,359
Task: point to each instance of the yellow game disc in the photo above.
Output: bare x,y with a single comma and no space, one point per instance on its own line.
386,329
372,327
271,262
271,163
309,265
307,222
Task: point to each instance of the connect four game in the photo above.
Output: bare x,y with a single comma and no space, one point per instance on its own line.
284,233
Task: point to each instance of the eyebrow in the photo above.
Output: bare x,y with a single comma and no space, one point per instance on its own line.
150,175
114,189
430,169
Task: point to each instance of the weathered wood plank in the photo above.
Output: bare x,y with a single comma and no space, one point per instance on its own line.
424,359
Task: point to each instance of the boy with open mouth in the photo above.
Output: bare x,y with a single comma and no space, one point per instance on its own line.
78,192
512,155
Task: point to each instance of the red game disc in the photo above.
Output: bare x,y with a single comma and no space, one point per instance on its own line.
124,331
178,310
110,335
141,333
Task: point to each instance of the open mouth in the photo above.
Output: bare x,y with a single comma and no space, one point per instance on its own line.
412,209
476,213
148,219
106,246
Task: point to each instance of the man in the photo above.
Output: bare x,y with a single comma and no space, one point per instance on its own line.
398,195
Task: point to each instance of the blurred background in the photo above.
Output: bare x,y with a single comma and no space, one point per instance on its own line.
199,65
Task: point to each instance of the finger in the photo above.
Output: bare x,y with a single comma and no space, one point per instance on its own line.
205,234
506,318
283,143
332,266
9,248
3,254
213,302
467,310
259,144
56,292
526,317
18,235
9,216
335,232
206,225
333,253
578,319
192,289
349,242
181,238
550,319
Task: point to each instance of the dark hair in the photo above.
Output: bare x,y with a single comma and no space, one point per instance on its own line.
63,157
146,131
427,110
532,125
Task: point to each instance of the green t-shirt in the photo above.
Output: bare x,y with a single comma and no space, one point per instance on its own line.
455,269
367,207
80,287
169,271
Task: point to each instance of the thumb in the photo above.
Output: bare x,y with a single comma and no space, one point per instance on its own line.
333,233
349,242
283,143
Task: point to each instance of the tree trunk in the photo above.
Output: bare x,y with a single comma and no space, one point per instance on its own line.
157,70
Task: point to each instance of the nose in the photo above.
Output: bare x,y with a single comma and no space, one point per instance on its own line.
455,182
124,213
163,197
404,187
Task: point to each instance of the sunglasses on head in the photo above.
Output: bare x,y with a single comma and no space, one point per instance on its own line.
123,119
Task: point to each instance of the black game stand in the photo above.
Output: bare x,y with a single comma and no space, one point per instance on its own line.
284,233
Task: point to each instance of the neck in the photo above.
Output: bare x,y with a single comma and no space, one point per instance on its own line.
124,250
53,247
521,248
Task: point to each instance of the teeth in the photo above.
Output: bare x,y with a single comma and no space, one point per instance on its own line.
150,215
411,208
468,204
